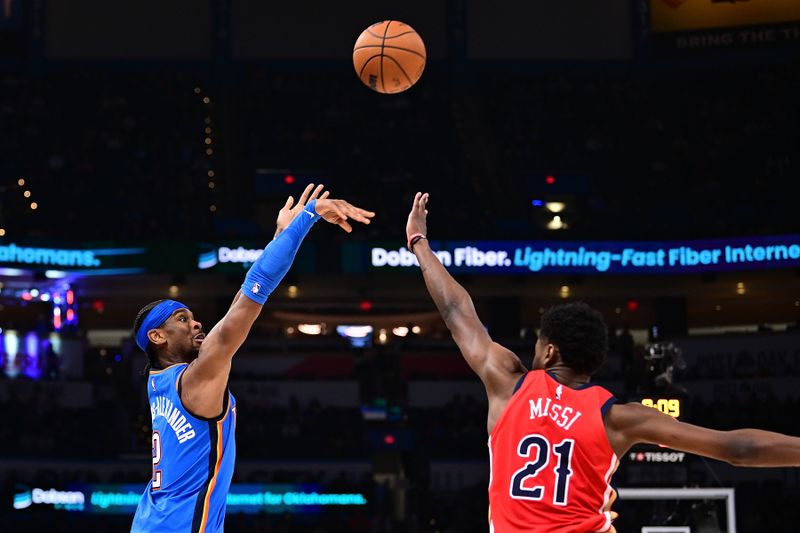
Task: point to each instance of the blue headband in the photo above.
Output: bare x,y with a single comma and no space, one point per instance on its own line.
157,316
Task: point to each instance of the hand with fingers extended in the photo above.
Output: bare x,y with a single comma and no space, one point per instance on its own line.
418,218
339,211
290,210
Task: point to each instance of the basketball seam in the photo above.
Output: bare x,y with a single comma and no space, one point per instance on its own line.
367,63
385,31
401,70
410,51
368,30
373,34
401,34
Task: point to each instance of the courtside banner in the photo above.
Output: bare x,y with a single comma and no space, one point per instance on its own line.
687,15
722,25
124,498
588,257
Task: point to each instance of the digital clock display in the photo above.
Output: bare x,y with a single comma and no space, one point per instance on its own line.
669,406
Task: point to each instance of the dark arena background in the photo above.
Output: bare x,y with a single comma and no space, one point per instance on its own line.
640,156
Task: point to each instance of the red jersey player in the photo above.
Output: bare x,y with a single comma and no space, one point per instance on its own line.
555,438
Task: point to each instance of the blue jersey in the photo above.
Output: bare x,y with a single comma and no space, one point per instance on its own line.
193,462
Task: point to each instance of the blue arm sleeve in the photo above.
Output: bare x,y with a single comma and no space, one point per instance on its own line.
270,268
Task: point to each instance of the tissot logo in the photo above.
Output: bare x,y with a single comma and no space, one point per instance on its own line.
673,3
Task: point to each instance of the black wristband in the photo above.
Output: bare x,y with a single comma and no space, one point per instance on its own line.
415,240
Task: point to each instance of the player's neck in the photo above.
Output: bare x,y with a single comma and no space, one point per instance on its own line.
169,360
567,376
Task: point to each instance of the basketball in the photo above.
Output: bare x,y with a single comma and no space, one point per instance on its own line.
389,56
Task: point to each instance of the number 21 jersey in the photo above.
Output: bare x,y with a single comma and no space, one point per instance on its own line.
193,461
550,459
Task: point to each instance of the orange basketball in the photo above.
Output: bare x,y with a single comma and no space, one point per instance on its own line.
389,56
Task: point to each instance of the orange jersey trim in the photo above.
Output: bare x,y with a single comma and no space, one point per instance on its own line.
207,501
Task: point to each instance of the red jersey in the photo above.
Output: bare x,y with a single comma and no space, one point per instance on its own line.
550,459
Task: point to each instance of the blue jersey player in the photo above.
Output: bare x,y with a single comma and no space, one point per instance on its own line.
193,412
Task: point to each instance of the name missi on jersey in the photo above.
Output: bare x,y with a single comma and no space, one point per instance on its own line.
562,415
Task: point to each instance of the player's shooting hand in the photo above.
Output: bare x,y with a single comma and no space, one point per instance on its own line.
291,210
339,211
418,217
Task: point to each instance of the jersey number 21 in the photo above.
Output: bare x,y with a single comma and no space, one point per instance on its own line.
538,447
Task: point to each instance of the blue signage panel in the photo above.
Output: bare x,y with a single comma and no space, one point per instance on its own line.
242,498
593,257
87,261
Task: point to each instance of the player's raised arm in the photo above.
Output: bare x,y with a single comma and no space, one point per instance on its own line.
494,364
632,423
206,379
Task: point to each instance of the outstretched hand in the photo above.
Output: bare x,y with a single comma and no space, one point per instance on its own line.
418,217
339,211
291,210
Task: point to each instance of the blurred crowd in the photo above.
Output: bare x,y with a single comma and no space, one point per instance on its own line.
635,155
115,430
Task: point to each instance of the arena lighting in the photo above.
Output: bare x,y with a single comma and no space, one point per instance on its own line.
740,288
365,305
54,274
55,342
564,291
310,329
2,232
11,344
383,336
292,291
416,330
57,323
555,207
26,296
288,179
32,350
550,180
537,203
70,297
556,223
356,332
21,182
633,305
34,293
401,331
389,439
